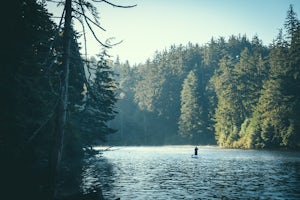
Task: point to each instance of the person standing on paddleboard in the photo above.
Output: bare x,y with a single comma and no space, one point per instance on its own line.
196,151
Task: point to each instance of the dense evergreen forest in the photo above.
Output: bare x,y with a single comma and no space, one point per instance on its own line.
53,109
58,104
233,92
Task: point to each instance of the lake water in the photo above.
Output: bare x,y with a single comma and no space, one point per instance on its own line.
169,172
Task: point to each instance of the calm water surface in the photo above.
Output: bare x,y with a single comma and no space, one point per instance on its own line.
170,173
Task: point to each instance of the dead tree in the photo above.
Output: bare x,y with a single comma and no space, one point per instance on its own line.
79,11
61,112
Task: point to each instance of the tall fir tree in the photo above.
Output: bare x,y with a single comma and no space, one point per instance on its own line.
190,122
229,111
99,107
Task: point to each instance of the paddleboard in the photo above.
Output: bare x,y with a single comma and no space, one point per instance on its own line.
195,156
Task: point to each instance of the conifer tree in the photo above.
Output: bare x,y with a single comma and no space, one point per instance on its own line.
98,108
229,111
190,122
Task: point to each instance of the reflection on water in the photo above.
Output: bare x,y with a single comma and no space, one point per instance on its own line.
171,173
97,172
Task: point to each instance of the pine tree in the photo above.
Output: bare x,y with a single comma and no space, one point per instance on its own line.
28,99
274,107
292,25
99,106
229,111
190,122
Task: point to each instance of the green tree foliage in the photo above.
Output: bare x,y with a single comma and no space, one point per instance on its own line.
277,109
98,108
27,98
193,118
242,92
149,87
292,26
156,86
229,111
189,121
30,82
249,81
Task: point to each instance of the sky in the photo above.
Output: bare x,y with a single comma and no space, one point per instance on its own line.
155,25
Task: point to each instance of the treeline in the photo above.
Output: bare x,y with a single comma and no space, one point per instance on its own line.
30,84
235,93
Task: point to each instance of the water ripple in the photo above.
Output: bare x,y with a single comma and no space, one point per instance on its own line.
171,173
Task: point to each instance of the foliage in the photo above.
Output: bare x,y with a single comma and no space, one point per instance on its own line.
241,92
27,98
30,83
98,108
236,93
190,110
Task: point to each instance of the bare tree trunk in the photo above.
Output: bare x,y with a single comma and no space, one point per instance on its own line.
145,128
61,113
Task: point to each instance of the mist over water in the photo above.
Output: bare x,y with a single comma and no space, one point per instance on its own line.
169,172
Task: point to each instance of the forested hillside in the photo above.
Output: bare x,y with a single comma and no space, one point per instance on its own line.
233,92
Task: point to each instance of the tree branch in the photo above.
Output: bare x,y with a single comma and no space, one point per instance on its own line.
84,37
95,36
53,1
114,5
91,29
89,19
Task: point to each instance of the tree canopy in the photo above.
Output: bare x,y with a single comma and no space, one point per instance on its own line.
46,90
237,93
57,104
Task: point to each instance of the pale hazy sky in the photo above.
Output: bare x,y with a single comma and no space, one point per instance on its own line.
157,24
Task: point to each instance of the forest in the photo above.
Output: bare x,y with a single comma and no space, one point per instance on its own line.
235,92
57,104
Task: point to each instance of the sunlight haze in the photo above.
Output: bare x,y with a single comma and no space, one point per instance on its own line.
156,24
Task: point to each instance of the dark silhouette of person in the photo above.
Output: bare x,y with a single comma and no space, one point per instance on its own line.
196,151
